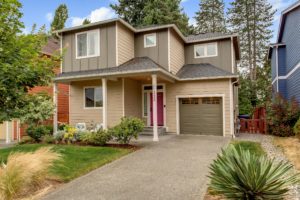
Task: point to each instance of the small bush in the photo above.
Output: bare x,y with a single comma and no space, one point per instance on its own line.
282,116
128,128
48,139
100,137
24,171
69,136
50,128
37,132
239,174
296,128
59,136
26,140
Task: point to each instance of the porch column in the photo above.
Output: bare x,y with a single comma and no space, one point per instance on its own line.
104,107
55,108
154,106
7,133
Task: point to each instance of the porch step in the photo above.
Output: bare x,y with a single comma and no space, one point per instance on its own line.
149,131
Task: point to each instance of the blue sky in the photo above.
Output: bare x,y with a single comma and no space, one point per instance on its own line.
42,11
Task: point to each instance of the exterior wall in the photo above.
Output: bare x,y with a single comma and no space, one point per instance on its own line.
125,44
281,61
114,102
223,60
2,131
158,53
78,113
176,52
107,56
282,87
293,86
291,38
273,63
3,128
133,98
196,88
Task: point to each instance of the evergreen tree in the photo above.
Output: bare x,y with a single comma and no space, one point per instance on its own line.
60,17
252,20
210,17
166,12
86,21
132,11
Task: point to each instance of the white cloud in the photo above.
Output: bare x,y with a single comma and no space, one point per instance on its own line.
49,17
192,22
99,14
279,6
183,1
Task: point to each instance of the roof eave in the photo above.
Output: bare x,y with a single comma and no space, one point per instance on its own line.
208,78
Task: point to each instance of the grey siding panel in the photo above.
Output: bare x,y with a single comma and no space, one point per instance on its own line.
293,85
274,89
223,60
102,59
111,46
273,63
281,61
282,87
291,38
67,63
159,53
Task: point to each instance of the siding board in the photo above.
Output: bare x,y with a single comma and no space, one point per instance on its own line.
177,58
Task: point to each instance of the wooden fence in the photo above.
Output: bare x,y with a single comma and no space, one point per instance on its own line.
253,126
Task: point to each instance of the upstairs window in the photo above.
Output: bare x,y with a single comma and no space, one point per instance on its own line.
87,44
150,40
206,50
93,97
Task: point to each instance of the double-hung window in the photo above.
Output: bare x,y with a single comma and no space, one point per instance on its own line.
206,50
88,44
93,97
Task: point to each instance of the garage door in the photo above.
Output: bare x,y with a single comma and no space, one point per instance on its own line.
201,116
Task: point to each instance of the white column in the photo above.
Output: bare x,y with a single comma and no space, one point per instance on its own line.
18,131
154,106
104,109
55,108
7,133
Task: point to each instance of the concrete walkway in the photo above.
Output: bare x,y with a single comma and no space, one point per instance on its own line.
174,168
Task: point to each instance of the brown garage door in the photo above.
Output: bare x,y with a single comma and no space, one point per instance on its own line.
201,116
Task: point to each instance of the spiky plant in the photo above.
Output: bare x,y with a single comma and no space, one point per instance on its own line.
238,174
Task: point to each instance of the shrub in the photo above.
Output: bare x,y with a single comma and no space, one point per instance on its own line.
59,136
37,132
296,127
26,139
24,171
282,116
128,128
69,136
100,137
239,174
48,139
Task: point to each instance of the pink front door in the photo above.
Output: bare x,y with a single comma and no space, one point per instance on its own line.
160,108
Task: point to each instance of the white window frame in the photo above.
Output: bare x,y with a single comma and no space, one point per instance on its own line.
205,50
84,103
87,45
145,43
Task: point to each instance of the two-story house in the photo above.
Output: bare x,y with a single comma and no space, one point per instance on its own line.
186,85
285,54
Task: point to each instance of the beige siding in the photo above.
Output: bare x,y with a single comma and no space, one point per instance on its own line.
196,88
107,56
2,131
223,60
125,44
159,53
133,98
114,101
77,111
176,52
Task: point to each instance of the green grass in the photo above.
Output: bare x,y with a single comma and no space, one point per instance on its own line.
253,147
76,160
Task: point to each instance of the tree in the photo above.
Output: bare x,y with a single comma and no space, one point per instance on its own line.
86,21
152,12
166,12
132,11
60,17
210,17
252,20
21,65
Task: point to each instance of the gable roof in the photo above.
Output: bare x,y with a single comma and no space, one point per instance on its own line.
192,71
51,47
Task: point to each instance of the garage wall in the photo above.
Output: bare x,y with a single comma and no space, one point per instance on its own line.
196,88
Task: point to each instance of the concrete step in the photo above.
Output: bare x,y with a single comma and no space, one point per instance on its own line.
149,131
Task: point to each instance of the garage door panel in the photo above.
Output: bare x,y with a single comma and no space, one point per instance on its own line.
201,116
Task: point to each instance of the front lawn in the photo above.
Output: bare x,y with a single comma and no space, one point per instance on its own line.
76,160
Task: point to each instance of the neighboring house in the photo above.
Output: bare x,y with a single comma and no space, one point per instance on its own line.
10,131
186,85
285,56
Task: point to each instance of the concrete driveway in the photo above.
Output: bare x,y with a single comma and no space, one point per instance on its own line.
174,168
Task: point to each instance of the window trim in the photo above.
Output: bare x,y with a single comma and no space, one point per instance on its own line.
145,43
84,103
87,45
205,50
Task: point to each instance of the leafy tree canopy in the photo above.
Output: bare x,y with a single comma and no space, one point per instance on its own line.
60,17
86,21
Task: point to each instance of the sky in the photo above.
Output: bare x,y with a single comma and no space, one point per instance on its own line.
41,12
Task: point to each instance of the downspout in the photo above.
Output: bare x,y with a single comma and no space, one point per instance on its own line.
232,84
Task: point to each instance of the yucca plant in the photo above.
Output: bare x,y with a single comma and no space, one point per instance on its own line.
238,174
